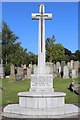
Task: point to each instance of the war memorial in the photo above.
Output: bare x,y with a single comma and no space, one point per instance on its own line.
41,101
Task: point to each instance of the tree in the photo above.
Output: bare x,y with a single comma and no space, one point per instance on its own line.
33,58
8,41
54,52
50,41
67,52
13,52
77,53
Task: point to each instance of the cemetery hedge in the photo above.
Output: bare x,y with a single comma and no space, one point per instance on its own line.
12,87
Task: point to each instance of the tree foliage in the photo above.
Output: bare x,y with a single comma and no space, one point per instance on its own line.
71,56
33,58
13,52
67,52
54,52
77,53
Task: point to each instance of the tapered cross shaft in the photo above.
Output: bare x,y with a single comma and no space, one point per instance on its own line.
41,16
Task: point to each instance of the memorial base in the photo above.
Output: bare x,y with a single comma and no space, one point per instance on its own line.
42,83
40,105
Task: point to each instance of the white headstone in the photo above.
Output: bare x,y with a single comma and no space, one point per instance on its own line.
1,70
24,67
30,65
76,66
12,71
72,64
60,70
28,72
57,65
65,72
55,71
74,75
19,71
69,65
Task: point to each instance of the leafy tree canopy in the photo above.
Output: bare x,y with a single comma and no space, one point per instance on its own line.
13,52
54,52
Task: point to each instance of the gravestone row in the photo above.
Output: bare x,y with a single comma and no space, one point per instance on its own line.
65,70
21,72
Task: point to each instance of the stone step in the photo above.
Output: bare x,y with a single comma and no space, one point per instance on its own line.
14,111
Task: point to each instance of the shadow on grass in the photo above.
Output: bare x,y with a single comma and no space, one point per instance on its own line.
73,91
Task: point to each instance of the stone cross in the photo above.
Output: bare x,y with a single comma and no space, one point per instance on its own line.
41,16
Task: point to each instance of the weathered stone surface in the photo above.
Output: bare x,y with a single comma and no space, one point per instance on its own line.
42,82
15,111
65,72
74,73
12,71
41,100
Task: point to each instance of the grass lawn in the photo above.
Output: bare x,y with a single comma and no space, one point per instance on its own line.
12,87
61,85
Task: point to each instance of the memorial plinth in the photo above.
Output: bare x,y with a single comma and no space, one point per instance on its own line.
42,83
41,101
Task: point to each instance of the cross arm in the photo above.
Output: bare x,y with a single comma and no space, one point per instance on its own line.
35,16
48,16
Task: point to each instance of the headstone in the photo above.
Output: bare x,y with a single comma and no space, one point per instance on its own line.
1,70
62,65
65,72
72,64
74,75
55,71
76,67
19,71
19,75
24,66
35,69
25,73
69,65
58,65
60,70
12,71
30,65
28,72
